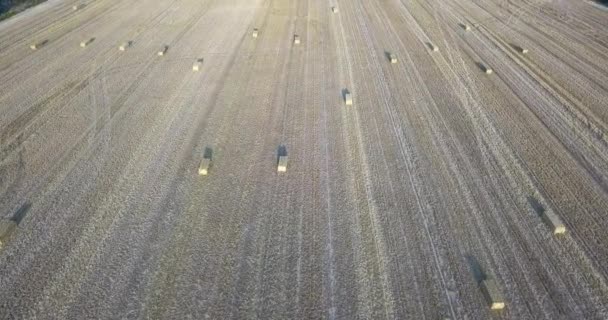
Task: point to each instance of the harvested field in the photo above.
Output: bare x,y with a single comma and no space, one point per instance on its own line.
401,204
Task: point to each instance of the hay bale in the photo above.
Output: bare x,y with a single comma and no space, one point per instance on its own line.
492,294
392,57
486,69
334,9
519,49
282,165
86,42
348,99
255,33
203,168
553,222
296,39
163,50
7,230
197,66
124,46
38,45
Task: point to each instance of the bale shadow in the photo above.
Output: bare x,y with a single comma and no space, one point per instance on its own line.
21,212
481,66
476,270
387,55
281,151
536,205
344,93
516,47
208,153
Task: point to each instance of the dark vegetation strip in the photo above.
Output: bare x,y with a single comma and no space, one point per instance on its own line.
9,8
